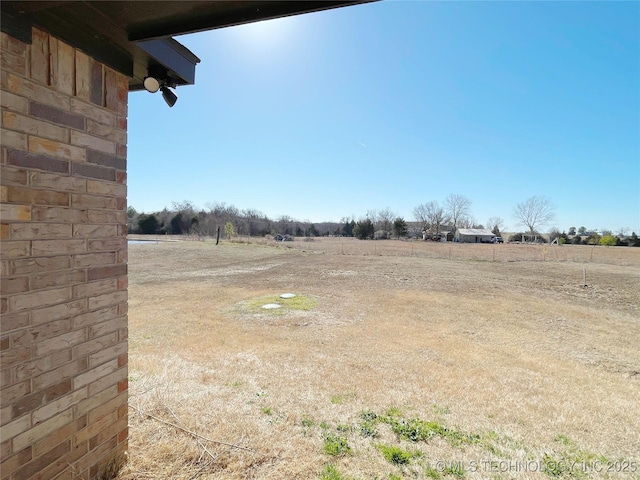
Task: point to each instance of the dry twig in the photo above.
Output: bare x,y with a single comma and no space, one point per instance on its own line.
193,434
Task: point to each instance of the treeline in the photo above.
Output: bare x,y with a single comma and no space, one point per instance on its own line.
431,221
185,219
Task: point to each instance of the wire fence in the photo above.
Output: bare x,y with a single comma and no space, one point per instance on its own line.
507,252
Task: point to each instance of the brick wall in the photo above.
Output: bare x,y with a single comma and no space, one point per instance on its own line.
64,262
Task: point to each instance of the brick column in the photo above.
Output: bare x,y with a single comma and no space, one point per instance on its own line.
64,262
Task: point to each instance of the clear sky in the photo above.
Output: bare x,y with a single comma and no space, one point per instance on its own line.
398,103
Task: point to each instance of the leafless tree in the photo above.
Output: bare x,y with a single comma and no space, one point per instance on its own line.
457,207
495,224
432,216
534,212
421,217
384,220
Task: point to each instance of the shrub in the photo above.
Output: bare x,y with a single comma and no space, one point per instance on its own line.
609,241
577,240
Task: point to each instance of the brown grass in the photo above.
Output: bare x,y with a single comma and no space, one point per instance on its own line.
515,352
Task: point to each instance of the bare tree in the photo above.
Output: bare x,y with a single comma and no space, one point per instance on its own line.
384,220
534,212
420,215
457,207
432,216
496,224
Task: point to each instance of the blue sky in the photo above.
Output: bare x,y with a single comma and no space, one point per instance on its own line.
394,104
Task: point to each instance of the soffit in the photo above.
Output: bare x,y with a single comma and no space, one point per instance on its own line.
118,33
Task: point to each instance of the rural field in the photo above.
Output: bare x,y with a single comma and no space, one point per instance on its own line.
395,360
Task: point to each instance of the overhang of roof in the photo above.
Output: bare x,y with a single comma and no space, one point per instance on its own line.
476,232
132,36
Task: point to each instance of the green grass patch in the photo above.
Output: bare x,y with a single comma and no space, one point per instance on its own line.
340,398
336,446
416,430
332,473
396,455
297,303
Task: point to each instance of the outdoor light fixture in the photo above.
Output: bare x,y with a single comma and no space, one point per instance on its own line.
169,97
151,84
158,79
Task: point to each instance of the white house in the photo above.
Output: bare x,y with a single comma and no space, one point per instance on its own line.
474,235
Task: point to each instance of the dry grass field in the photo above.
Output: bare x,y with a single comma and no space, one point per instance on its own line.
396,360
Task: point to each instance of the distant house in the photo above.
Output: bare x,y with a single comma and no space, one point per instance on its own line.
474,235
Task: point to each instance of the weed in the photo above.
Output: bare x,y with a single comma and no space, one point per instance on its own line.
336,446
340,398
266,410
368,415
440,410
416,430
394,412
324,425
564,440
345,428
331,473
368,429
455,470
396,455
307,422
431,472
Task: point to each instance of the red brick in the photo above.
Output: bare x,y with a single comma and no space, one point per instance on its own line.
123,385
123,360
